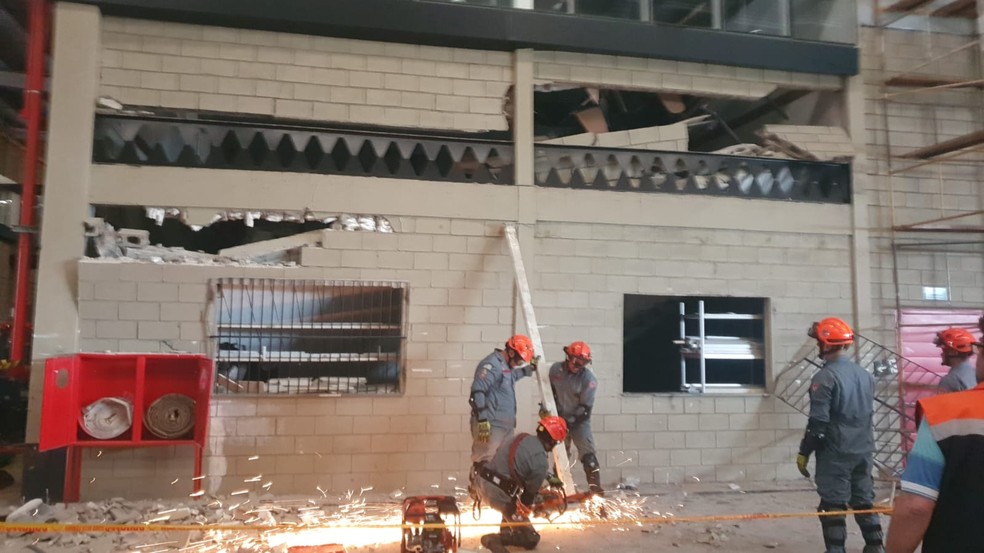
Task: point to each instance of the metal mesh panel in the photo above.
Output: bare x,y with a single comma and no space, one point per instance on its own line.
302,336
894,425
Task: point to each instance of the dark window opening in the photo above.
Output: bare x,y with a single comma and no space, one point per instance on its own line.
174,233
663,350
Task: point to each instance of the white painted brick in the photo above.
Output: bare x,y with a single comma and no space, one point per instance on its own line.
275,89
198,83
384,64
312,58
348,61
275,55
333,77
251,70
294,73
402,82
242,87
141,61
331,112
116,329
319,93
348,95
416,100
397,116
259,105
157,292
485,105
124,291
451,103
216,102
237,52
293,108
366,79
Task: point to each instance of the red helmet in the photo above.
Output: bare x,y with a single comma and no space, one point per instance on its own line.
832,332
578,350
552,430
522,345
578,355
955,341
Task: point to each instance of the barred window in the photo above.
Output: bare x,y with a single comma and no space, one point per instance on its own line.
275,336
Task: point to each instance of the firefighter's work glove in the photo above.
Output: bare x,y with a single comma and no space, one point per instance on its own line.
801,461
554,481
484,431
543,412
535,363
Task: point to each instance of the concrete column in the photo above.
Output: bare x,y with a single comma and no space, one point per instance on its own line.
854,115
76,51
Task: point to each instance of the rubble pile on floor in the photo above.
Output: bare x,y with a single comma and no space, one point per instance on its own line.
269,523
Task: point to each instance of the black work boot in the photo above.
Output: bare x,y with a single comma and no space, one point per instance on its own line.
873,549
834,533
493,542
594,481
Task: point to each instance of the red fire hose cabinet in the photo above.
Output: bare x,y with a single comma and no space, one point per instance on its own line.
124,400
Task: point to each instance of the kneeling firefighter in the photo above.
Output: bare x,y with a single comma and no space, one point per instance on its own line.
510,481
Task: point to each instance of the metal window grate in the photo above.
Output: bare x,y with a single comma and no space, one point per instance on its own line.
892,418
275,336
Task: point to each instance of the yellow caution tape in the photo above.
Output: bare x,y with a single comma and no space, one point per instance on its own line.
15,528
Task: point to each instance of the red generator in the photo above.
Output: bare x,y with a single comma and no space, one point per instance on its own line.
426,525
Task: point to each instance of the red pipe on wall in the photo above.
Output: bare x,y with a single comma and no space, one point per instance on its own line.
37,34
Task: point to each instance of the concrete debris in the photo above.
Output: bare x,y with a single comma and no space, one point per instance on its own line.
101,239
108,103
368,223
776,143
265,250
32,512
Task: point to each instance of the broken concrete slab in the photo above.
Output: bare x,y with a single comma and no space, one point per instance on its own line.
274,246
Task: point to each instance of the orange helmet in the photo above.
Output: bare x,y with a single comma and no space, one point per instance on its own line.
955,341
578,350
578,355
552,430
522,345
832,332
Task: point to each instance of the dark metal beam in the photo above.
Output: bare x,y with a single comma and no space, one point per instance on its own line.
767,106
958,8
470,26
952,145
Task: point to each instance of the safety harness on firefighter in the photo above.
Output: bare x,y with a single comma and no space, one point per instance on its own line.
511,485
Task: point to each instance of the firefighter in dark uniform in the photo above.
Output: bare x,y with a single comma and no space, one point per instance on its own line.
942,499
840,432
510,481
574,387
956,347
493,395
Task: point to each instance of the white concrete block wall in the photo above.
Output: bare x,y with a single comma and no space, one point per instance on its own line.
176,65
938,190
583,273
671,76
461,306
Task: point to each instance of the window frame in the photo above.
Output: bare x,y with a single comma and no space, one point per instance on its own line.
222,330
691,318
